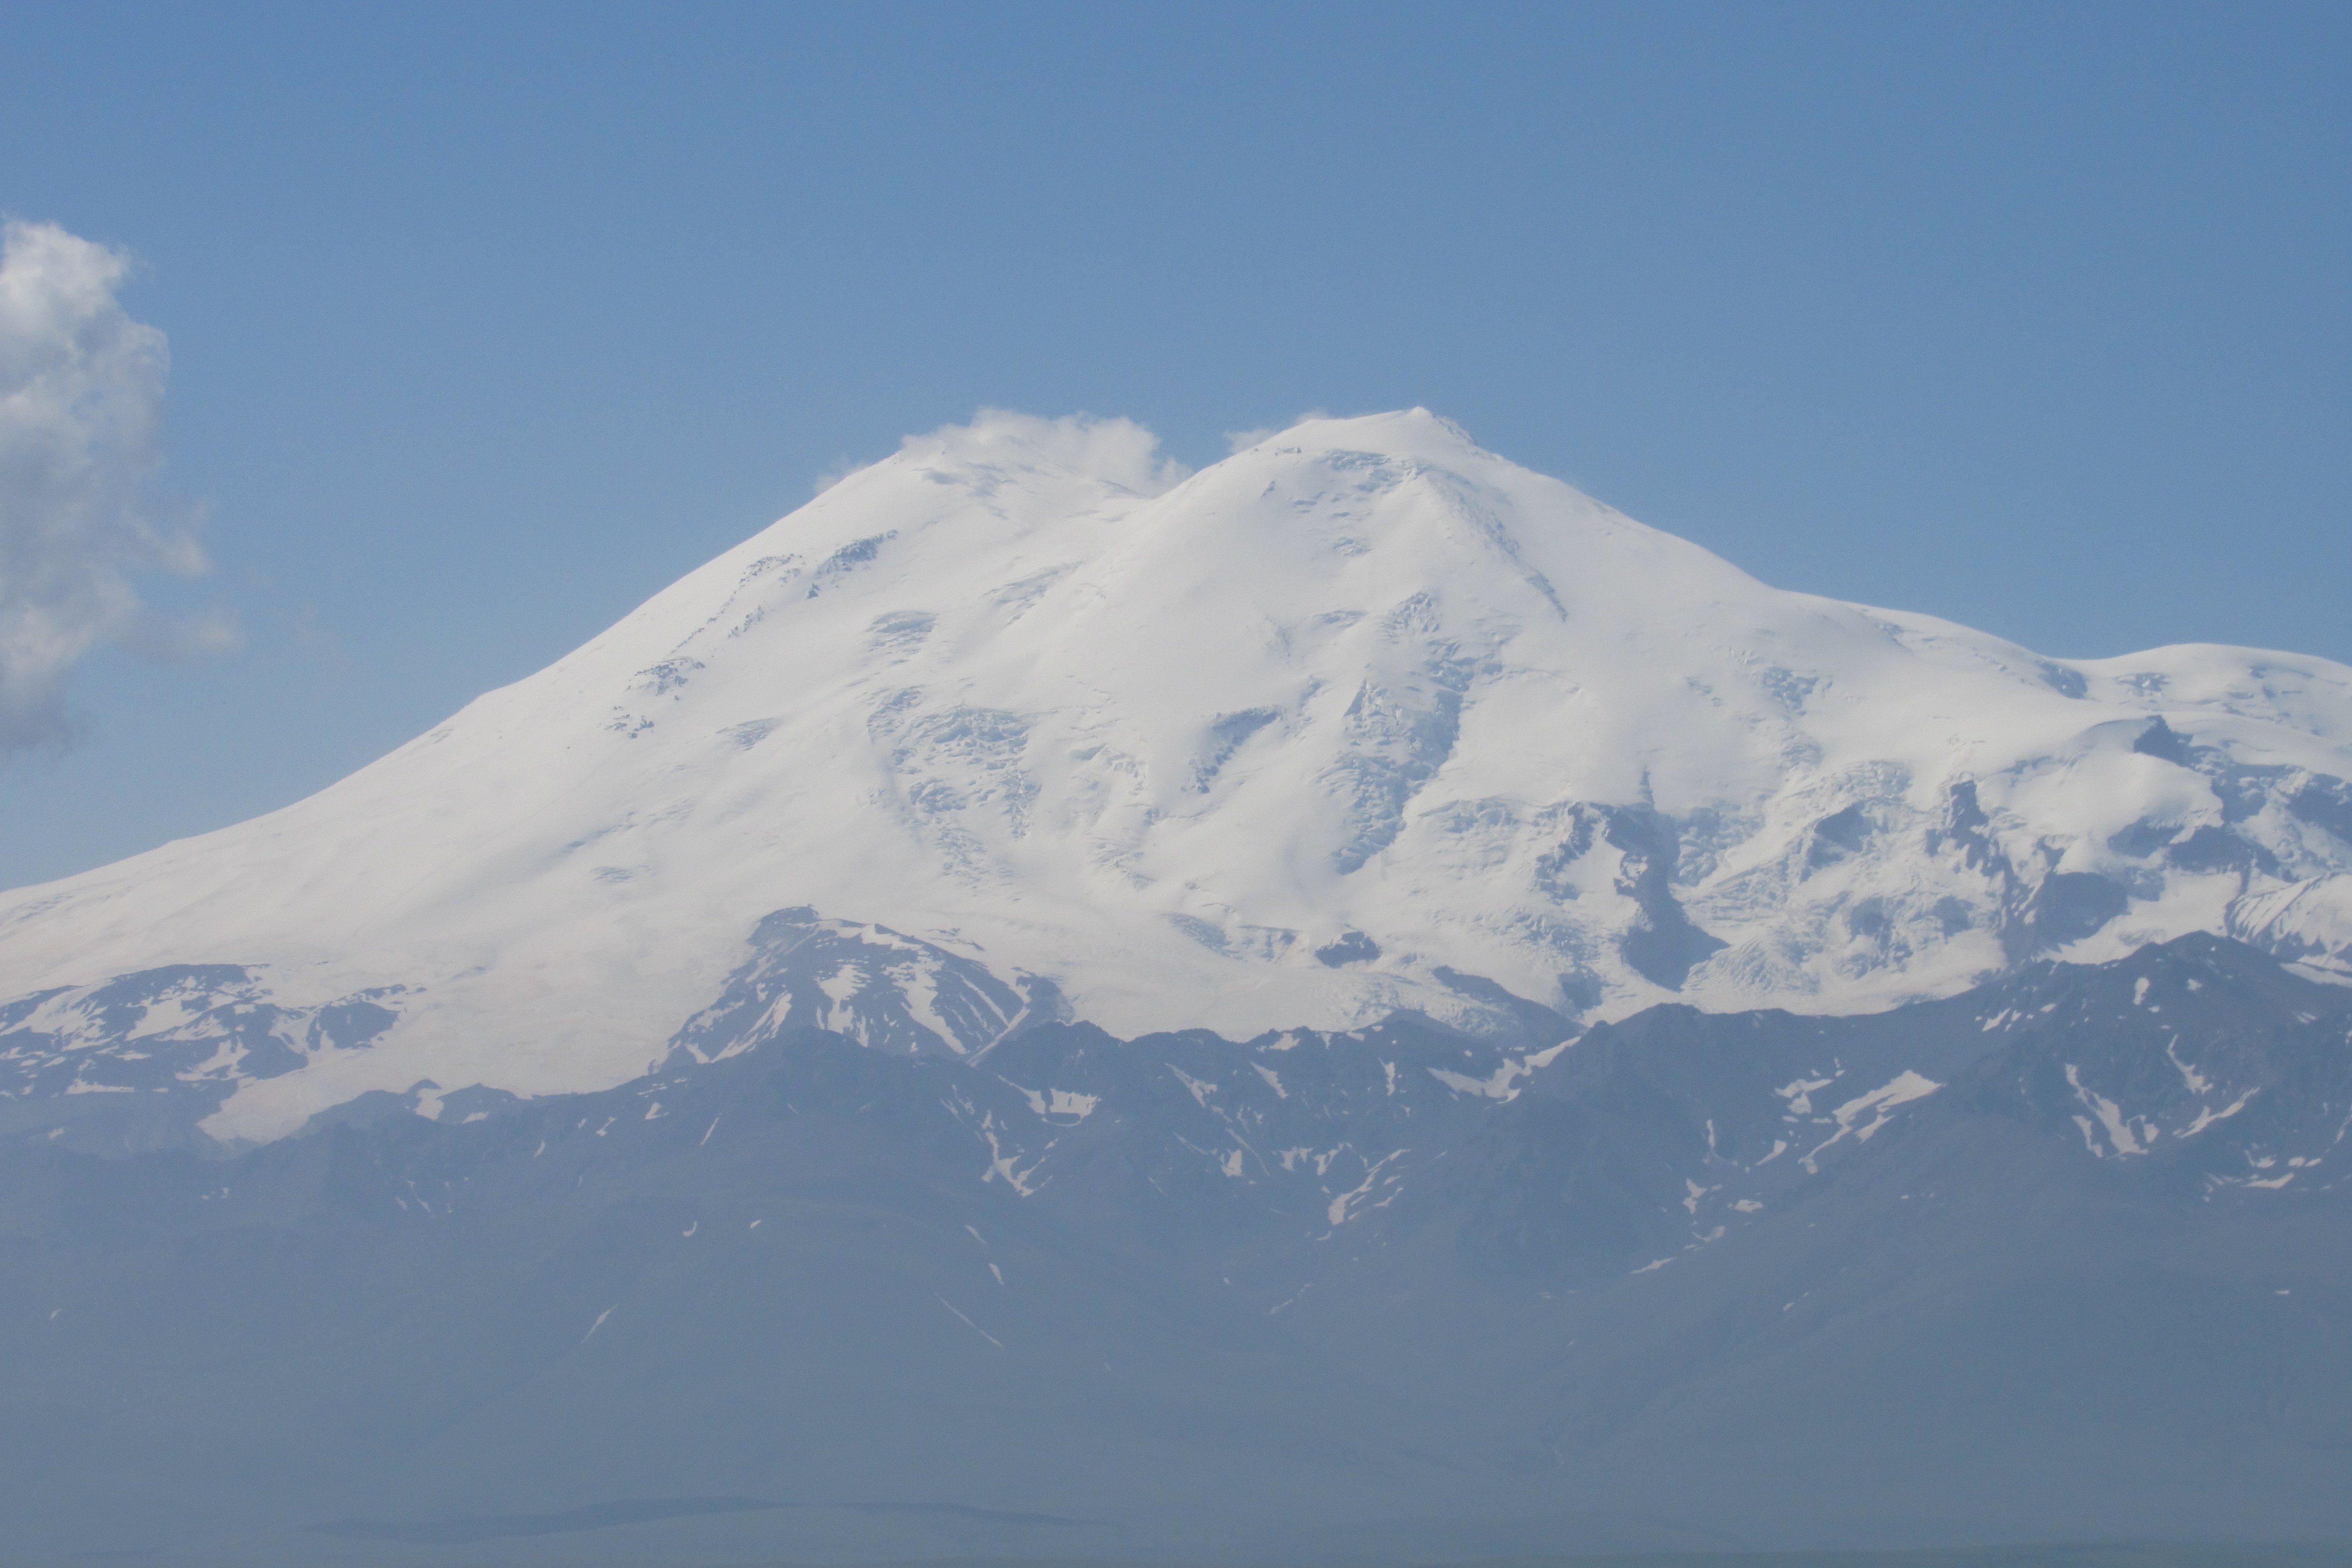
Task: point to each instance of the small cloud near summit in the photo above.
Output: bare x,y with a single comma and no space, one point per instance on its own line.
1120,450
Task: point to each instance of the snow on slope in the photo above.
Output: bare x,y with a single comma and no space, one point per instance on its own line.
1314,734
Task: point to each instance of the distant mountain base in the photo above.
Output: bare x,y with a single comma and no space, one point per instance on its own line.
2066,1258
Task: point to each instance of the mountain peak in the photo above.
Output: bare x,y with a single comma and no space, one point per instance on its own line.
1413,432
1361,719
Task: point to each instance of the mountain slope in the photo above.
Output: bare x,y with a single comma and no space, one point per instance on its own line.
1361,719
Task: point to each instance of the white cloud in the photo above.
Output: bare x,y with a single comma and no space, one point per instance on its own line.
1117,450
81,393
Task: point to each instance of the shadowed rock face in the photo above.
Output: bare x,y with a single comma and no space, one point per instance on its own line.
1661,945
140,1061
868,984
2018,1262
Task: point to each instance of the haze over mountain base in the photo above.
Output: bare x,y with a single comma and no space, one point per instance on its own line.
2063,1257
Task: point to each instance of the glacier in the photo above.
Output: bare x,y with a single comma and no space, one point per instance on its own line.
1025,723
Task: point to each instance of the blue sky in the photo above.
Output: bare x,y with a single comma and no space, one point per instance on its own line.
486,322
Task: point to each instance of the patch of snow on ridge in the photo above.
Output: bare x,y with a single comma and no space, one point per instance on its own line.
1880,1104
2126,1135
1500,1084
1360,718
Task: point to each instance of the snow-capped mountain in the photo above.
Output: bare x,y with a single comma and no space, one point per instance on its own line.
1024,723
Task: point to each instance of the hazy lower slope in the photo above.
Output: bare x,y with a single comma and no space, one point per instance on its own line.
1698,1279
1361,718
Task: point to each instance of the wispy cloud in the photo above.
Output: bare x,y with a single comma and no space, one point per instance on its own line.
81,393
1117,450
